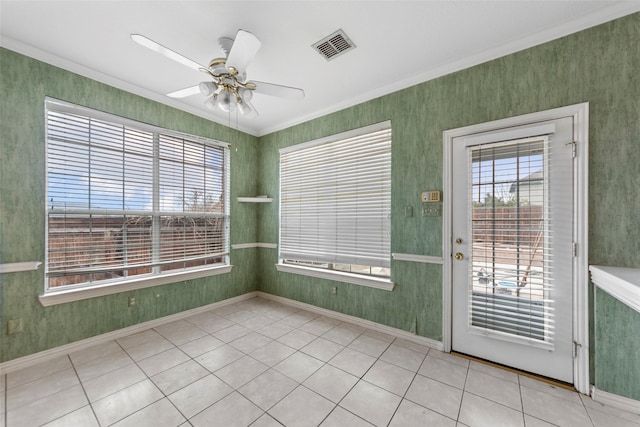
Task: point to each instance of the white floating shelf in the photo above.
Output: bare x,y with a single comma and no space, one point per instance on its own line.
621,283
255,199
19,266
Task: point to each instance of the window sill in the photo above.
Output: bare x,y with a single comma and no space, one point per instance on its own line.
55,297
338,276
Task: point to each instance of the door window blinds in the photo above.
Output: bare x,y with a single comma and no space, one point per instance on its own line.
335,199
125,199
511,289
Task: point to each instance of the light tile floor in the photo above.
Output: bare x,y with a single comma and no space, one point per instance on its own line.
262,363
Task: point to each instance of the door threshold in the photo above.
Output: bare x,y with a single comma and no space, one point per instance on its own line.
550,381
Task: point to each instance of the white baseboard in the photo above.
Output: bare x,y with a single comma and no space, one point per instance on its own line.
43,356
615,400
399,333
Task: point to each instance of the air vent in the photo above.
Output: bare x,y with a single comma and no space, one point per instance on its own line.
334,45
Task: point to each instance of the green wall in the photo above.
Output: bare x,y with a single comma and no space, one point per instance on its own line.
24,83
617,331
600,66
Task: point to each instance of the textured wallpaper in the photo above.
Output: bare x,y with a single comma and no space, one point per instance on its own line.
599,66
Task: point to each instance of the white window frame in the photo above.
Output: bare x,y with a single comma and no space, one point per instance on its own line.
373,281
73,292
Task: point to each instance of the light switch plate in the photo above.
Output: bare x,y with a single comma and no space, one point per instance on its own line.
429,209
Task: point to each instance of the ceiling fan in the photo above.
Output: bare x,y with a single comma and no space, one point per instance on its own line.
228,87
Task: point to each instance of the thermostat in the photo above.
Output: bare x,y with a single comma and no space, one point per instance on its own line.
430,196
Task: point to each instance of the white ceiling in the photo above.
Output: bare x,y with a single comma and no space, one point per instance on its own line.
399,44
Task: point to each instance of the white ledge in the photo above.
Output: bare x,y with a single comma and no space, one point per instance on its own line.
621,283
254,245
338,276
15,267
255,199
53,297
426,259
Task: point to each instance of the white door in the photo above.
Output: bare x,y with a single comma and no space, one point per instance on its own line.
512,232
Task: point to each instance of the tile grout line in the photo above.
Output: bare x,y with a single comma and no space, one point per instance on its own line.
524,418
325,363
359,379
89,403
199,364
301,384
298,384
135,362
415,374
464,390
6,415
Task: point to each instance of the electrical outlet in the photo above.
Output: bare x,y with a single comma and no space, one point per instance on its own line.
132,301
408,211
334,290
14,326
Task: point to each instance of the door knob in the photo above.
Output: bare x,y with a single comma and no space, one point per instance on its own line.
459,255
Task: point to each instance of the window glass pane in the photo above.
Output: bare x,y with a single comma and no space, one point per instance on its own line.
126,202
196,241
511,249
99,247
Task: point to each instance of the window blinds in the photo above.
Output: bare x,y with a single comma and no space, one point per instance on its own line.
126,199
512,284
335,199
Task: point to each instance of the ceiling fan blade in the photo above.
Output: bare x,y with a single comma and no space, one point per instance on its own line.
183,93
244,49
278,90
165,51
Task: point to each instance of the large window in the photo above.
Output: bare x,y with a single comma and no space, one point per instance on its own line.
335,202
128,201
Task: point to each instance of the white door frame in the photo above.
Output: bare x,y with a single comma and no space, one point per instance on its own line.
580,113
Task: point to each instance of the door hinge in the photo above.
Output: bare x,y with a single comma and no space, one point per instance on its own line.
574,249
573,148
576,345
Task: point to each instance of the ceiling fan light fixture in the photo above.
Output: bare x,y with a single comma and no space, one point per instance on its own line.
211,103
226,102
208,88
244,108
246,94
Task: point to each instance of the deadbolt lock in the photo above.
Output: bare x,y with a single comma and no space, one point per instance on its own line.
459,255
